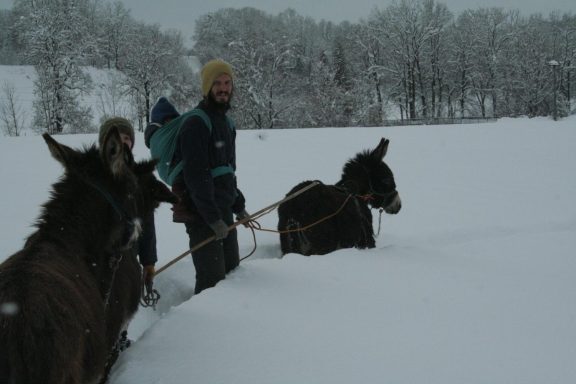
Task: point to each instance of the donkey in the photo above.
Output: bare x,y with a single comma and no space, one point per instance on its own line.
330,217
66,294
126,288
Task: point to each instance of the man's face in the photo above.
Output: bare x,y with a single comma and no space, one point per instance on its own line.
222,89
126,140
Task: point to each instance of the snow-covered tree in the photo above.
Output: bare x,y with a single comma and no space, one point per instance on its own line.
460,36
52,32
266,57
564,43
8,42
411,59
151,64
113,37
492,38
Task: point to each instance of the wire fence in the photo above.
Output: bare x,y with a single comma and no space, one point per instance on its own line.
405,122
439,121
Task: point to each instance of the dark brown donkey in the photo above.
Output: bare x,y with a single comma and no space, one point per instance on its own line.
366,182
67,294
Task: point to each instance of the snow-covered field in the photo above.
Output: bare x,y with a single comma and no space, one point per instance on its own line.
474,281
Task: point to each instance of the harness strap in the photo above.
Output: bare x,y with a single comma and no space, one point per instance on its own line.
117,208
221,170
129,223
366,198
215,172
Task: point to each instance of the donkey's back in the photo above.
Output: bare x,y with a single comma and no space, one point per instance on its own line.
51,329
323,219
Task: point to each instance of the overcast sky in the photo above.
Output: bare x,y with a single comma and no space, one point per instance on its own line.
180,14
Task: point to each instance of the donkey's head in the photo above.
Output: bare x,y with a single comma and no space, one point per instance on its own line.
368,176
95,199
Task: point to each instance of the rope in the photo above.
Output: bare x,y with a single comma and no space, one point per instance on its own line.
151,297
379,221
114,262
252,225
251,222
302,229
256,215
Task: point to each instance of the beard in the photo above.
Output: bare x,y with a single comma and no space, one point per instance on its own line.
221,99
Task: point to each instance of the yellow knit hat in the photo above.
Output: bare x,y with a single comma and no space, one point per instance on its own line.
211,71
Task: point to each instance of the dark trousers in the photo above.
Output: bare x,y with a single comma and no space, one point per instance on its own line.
214,260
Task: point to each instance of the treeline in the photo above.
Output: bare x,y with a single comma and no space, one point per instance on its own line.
60,38
411,60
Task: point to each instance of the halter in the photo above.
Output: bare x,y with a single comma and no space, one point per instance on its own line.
373,192
131,224
367,197
122,214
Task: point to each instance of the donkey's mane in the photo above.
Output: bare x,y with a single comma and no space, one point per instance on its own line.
362,161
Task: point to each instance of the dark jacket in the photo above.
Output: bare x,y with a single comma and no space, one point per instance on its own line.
202,150
147,242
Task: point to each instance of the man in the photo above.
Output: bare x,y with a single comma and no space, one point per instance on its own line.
147,253
209,196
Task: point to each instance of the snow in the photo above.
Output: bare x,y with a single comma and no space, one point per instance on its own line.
472,282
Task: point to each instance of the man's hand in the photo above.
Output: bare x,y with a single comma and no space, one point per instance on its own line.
242,215
220,229
148,273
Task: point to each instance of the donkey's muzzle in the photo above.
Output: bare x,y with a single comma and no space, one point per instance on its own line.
394,204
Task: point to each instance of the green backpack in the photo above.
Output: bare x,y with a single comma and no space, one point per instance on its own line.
163,145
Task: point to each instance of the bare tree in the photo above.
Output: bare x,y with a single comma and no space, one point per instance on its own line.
112,94
12,115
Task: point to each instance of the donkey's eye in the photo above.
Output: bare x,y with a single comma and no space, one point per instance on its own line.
386,184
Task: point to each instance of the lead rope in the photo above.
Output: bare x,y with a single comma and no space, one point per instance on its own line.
252,225
258,214
258,227
151,297
379,221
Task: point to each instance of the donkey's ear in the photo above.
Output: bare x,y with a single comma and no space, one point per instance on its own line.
60,152
115,154
380,151
146,166
161,193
